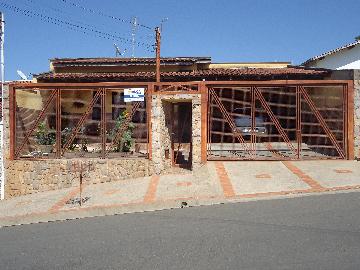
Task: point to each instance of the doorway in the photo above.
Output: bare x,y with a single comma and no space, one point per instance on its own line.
181,134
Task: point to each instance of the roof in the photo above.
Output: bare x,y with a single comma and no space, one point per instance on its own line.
197,75
57,62
319,57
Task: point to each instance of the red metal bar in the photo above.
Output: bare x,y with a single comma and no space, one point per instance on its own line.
253,121
322,122
274,120
12,122
177,87
210,110
81,121
58,123
65,86
187,88
349,105
345,118
229,120
298,122
103,123
36,123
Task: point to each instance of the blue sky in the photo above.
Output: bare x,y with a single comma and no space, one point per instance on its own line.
228,31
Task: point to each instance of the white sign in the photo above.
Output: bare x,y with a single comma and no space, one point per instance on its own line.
134,94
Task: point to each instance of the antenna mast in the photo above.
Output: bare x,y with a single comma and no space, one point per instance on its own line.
133,33
158,39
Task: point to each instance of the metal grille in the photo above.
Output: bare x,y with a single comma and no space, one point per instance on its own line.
276,123
78,122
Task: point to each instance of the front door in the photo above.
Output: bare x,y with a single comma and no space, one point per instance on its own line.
181,134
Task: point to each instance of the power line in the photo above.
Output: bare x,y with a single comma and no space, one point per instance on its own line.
105,15
70,25
43,8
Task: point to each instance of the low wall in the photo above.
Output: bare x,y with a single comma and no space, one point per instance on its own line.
30,176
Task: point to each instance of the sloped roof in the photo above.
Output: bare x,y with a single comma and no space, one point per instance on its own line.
207,74
56,62
319,57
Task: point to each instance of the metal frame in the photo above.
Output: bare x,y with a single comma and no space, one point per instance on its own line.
56,95
345,152
203,88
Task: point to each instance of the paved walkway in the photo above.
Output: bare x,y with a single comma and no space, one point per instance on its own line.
216,182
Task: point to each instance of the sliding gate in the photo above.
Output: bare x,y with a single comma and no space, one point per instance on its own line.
277,123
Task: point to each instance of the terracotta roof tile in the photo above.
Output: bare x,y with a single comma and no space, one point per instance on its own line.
128,61
207,74
318,57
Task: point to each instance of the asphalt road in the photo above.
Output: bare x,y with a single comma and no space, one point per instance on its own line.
315,232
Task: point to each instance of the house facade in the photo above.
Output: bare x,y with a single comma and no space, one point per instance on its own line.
109,116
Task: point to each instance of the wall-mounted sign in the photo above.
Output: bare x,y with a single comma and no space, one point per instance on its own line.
134,94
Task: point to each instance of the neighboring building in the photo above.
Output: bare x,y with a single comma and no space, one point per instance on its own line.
346,60
78,112
345,57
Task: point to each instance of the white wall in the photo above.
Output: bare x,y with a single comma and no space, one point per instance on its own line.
345,59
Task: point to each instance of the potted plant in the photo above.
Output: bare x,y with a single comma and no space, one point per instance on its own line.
45,138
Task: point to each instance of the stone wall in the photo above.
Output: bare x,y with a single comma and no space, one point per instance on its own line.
357,113
30,176
161,129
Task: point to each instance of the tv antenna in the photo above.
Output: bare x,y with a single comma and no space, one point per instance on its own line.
22,75
162,22
118,52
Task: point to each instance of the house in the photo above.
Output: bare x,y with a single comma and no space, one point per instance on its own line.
78,112
344,57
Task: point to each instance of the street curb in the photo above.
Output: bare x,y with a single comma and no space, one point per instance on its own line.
138,207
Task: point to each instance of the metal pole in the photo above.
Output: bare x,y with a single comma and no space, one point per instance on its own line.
133,33
2,192
158,38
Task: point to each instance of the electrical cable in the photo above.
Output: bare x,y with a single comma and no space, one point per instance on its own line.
70,25
104,15
43,8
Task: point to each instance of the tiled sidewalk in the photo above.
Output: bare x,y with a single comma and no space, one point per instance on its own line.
216,182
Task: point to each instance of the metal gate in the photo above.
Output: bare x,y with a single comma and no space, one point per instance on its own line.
276,123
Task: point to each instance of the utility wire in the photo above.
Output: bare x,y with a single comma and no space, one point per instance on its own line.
104,15
70,25
43,8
